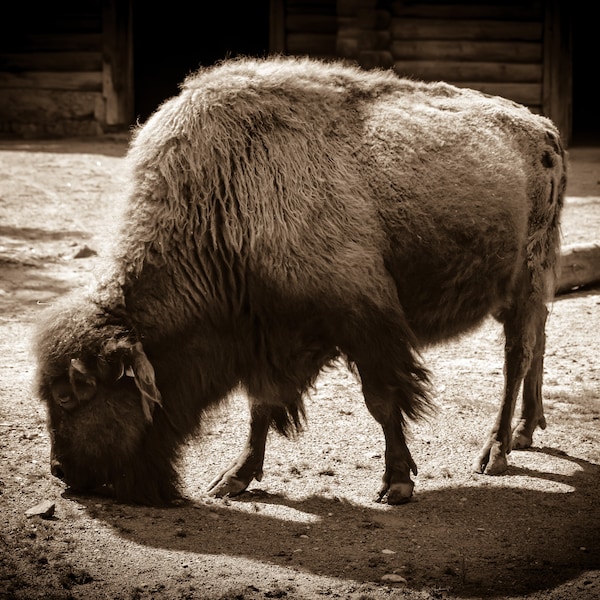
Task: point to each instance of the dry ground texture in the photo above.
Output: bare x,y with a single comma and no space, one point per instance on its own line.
310,529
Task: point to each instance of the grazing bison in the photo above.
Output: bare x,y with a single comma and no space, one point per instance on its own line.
282,213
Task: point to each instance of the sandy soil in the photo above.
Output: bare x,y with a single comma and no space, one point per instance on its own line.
310,529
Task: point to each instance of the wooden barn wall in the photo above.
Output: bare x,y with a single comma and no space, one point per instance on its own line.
64,68
310,28
494,47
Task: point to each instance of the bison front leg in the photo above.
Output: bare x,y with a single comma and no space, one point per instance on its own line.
525,339
249,464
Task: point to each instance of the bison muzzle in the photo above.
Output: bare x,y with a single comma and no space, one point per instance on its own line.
283,213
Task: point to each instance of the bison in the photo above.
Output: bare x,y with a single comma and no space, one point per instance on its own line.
282,213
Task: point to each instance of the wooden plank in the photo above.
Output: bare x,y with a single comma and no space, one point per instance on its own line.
54,19
348,27
307,23
323,7
374,40
47,80
347,47
523,11
373,18
529,94
83,42
579,266
347,8
311,43
430,29
527,52
489,72
49,103
375,59
51,61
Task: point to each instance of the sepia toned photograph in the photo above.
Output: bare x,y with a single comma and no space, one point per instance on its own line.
299,299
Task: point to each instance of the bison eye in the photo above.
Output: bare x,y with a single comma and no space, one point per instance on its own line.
68,402
63,395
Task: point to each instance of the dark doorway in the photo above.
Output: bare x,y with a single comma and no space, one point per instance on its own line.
586,117
174,38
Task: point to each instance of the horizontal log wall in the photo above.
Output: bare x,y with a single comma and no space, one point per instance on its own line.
311,28
51,70
494,47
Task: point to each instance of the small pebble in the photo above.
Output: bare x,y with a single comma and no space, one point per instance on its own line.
387,551
85,252
44,509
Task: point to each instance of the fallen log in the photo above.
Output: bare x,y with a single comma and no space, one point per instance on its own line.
579,266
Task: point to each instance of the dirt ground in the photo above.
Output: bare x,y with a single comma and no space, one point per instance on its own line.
310,529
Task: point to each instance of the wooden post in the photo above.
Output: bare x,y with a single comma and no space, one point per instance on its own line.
277,27
374,40
557,90
117,63
348,31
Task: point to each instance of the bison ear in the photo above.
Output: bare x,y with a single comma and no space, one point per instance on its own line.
111,367
82,381
143,374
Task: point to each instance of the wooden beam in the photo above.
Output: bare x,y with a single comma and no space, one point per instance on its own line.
579,266
40,42
489,72
530,11
465,30
51,61
312,23
51,80
317,44
511,52
529,94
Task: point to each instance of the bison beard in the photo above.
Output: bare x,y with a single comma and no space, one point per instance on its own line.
285,212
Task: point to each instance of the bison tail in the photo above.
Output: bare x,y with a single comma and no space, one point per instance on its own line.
549,187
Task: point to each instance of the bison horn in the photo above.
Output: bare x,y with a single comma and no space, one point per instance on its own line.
78,366
144,377
82,381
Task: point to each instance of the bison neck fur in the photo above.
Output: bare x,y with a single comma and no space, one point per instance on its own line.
281,213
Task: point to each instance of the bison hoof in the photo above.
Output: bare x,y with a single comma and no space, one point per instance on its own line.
521,441
400,493
226,486
492,460
397,493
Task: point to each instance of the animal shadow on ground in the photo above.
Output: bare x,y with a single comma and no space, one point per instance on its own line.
481,539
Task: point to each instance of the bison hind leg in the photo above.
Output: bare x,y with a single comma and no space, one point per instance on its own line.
524,329
532,408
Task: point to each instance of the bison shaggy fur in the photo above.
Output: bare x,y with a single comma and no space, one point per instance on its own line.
282,213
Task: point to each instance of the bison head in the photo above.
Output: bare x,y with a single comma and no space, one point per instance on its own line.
105,414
